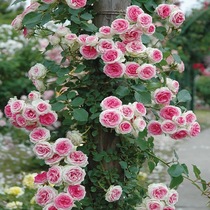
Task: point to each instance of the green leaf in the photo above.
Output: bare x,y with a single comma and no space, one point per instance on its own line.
151,166
142,144
185,169
46,18
145,39
196,171
204,184
77,102
75,19
177,58
80,115
32,19
184,96
175,170
86,16
122,91
176,181
143,97
88,27
123,164
71,94
61,80
58,106
159,36
80,68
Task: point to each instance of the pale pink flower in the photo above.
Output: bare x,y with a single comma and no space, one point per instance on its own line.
127,111
180,134
41,178
63,146
91,40
144,20
31,8
76,4
132,13
88,52
7,110
154,204
105,31
2,123
77,192
114,70
43,150
73,175
154,128
120,26
177,18
50,206
179,120
77,158
157,191
42,107
194,129
154,55
162,96
121,46
180,67
17,22
75,137
34,95
163,10
82,39
190,117
48,94
39,134
70,39
139,109
62,31
139,124
173,85
17,106
168,126
168,112
63,201
113,193
149,30
54,39
54,175
111,102
30,113
146,71
37,71
112,56
39,84
45,195
172,197
110,118
105,44
54,159
48,118
169,208
49,1
133,34
131,69
124,127
135,48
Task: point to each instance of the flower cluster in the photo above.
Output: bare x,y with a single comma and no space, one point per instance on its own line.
123,118
30,113
176,124
160,197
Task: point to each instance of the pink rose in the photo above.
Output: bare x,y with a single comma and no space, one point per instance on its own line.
133,34
144,20
70,39
105,31
76,4
179,120
154,204
169,208
127,111
7,110
17,22
162,96
54,159
88,52
173,85
163,10
111,102
63,146
179,134
194,129
190,117
168,112
120,26
41,178
77,192
45,195
149,30
50,207
31,8
43,150
16,106
63,201
139,124
135,48
39,134
110,118
73,175
168,127
120,46
114,70
157,191
154,128
112,56
124,127
105,44
132,13
37,71
49,1
77,158
177,18
172,197
48,118
34,95
42,107
82,38
113,193
131,69
91,40
139,109
20,120
146,71
154,55
54,175
29,113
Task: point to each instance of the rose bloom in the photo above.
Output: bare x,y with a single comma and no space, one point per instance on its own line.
82,39
16,191
17,106
45,195
132,13
173,85
17,22
162,96
50,206
190,117
70,39
73,175
63,146
43,150
172,197
54,175
48,1
127,111
163,10
111,102
39,134
105,32
149,30
146,71
29,113
39,84
48,118
91,40
177,18
154,204
88,52
54,159
194,129
63,201
37,71
139,124
120,26
105,44
76,4
114,70
133,34
20,120
124,127
77,192
131,69
113,193
110,118
112,56
34,95
169,208
168,126
77,158
135,48
180,120
154,55
31,8
139,109
7,110
144,20
154,128
179,134
75,137
41,178
42,107
120,46
169,111
28,180
157,191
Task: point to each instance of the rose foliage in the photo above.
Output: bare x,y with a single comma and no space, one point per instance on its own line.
113,96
